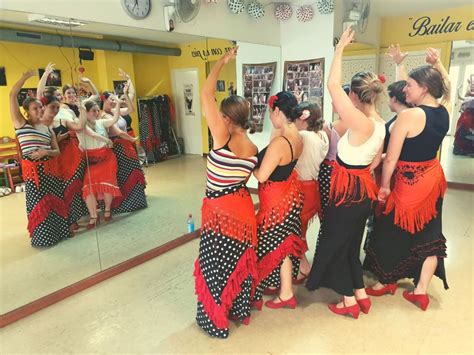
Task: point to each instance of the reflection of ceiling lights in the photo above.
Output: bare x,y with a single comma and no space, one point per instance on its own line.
54,21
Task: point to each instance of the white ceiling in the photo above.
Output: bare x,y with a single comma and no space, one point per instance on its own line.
390,8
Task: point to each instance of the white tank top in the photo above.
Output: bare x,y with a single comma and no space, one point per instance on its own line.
88,142
315,148
365,153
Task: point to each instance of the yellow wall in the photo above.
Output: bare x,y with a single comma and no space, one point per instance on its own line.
398,29
150,73
18,57
187,60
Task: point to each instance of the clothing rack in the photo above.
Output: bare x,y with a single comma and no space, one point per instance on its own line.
157,135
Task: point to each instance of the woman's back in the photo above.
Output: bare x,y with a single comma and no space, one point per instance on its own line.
315,148
424,146
226,169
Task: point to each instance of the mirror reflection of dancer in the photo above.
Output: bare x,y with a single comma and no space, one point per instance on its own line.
100,182
71,162
408,241
336,263
309,121
47,217
130,176
225,270
281,201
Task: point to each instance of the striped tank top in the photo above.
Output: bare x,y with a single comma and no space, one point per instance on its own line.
225,169
31,139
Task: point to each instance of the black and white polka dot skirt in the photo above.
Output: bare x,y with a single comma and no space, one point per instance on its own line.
46,210
130,178
280,238
77,208
225,273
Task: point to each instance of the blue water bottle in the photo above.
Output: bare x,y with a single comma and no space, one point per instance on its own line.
190,223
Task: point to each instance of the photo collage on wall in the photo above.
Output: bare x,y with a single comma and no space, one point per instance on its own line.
305,78
258,82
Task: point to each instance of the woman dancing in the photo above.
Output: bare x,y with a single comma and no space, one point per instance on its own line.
408,241
309,122
225,270
336,263
281,201
47,213
100,182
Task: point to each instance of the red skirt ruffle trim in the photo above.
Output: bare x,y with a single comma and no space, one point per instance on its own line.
292,245
311,205
101,177
30,169
218,313
43,208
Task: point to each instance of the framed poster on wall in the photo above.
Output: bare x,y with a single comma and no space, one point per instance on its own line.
305,77
258,82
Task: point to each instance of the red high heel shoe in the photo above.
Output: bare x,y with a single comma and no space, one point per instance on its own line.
258,305
271,291
422,300
300,281
365,305
290,303
109,217
353,310
390,288
93,222
245,321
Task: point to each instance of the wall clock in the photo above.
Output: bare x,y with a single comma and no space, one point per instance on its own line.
137,9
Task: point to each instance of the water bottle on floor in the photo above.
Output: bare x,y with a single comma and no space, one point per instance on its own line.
190,223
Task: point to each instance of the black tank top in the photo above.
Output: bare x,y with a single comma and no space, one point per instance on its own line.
387,133
281,172
128,119
75,109
60,129
424,146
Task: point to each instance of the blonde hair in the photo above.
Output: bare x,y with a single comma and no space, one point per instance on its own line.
367,86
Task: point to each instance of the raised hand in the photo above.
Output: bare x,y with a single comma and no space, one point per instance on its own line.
83,79
123,74
49,68
432,56
394,52
230,55
347,37
28,74
125,88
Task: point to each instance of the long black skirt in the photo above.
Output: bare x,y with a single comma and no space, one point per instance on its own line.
393,253
336,262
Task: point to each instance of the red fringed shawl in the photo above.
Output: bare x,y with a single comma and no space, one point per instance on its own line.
418,186
30,169
351,185
232,215
276,201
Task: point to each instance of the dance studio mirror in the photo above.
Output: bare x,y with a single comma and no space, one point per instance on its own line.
458,146
156,180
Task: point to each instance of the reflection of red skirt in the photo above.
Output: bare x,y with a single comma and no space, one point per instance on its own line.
101,176
70,158
311,205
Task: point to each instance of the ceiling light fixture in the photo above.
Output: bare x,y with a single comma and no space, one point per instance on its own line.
55,21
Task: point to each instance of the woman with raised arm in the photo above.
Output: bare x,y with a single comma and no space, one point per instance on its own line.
71,161
336,263
280,246
309,121
225,270
47,216
100,181
130,176
408,240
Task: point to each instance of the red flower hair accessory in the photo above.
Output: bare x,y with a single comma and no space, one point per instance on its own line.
382,78
271,101
44,100
102,98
